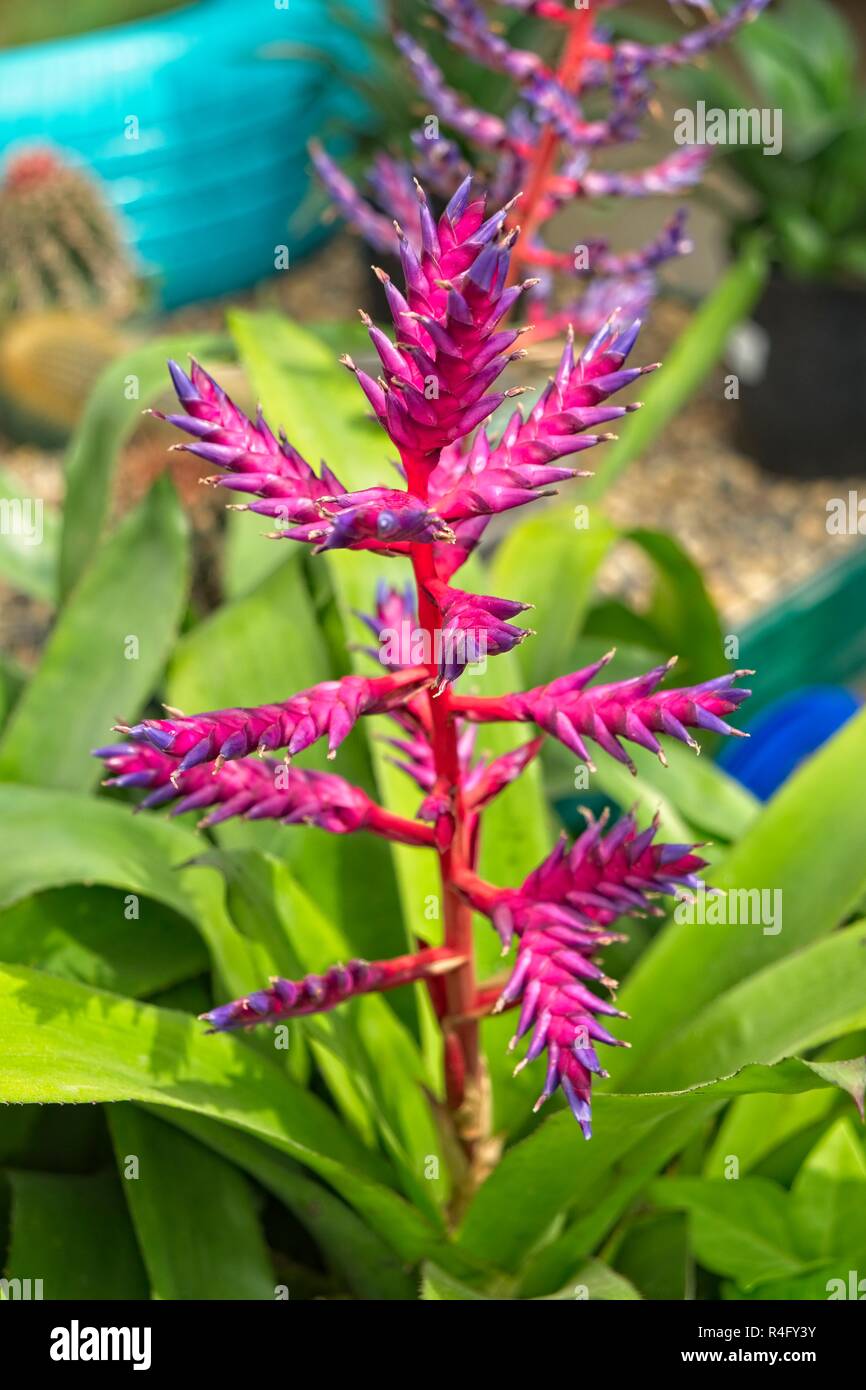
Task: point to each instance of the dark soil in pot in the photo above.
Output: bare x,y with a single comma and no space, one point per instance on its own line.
806,416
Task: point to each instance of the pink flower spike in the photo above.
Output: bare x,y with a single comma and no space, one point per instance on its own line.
447,354
331,709
634,709
315,994
256,789
562,914
254,459
489,780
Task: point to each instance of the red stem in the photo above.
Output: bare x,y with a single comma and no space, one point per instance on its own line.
423,965
407,832
483,709
463,1058
463,1062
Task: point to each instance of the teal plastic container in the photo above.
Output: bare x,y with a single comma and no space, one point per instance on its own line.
197,122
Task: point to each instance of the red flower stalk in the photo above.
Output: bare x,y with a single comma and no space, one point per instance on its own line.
316,994
437,389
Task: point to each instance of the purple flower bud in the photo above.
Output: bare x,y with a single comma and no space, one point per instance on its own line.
257,789
699,41
379,515
474,626
468,29
316,994
255,460
483,129
671,241
374,228
330,709
673,174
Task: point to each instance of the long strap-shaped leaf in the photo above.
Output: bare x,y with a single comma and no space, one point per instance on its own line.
809,846
64,1043
369,1266
553,1168
173,1192
106,651
113,410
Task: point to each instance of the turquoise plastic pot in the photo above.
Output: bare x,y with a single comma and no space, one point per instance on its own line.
216,175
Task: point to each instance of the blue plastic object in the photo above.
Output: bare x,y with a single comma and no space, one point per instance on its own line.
785,733
197,130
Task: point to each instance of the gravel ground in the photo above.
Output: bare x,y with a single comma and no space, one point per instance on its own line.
753,535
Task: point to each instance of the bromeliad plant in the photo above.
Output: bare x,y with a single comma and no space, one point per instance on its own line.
434,395
550,146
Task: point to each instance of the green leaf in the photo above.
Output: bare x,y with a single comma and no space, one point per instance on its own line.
808,37
804,246
680,609
28,541
796,1003
380,1072
52,1138
610,1191
106,652
694,354
52,839
696,789
829,1196
739,1229
370,1269
553,1169
545,561
607,1192
12,682
63,1042
437,1285
830,1282
88,934
849,1074
261,648
194,1214
756,1126
74,1234
808,843
654,1256
113,410
599,1283
850,256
